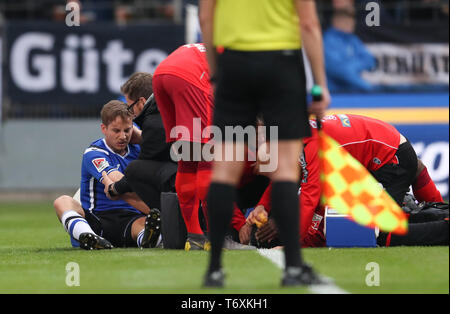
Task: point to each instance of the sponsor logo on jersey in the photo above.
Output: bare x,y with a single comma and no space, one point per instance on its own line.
100,164
316,220
304,166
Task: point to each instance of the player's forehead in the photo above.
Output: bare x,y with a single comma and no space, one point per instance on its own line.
121,123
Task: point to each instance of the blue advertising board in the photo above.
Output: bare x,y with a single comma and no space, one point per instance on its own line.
431,144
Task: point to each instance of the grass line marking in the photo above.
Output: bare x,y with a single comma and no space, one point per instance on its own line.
277,257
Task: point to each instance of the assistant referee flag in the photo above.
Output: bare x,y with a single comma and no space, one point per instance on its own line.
349,188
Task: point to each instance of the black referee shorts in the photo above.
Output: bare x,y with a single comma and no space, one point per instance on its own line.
270,83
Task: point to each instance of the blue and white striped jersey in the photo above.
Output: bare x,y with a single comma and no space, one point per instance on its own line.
98,157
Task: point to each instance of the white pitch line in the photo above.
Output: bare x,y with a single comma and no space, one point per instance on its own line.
277,257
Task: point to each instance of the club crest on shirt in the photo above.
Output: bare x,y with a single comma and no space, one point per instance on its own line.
100,164
345,120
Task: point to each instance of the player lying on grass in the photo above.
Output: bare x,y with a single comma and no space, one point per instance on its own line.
390,158
98,222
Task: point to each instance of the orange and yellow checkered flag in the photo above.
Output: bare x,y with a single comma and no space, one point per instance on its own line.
350,189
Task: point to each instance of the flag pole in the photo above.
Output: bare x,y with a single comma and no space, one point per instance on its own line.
316,93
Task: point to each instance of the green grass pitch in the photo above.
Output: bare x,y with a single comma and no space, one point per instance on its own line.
34,252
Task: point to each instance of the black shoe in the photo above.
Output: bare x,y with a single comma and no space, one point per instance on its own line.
90,241
152,229
300,276
214,279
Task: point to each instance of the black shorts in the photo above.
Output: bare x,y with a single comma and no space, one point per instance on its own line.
272,84
397,178
114,225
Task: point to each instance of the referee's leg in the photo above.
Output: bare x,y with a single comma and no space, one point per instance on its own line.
222,194
285,202
285,210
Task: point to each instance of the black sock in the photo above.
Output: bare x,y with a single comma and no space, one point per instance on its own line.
285,211
220,210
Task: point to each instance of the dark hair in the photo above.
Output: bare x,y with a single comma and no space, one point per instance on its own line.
114,109
138,85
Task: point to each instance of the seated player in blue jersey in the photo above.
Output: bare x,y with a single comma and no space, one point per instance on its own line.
98,222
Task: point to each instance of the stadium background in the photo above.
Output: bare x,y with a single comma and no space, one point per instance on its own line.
55,78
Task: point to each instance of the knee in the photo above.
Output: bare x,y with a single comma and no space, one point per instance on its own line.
227,172
136,227
287,166
61,201
62,204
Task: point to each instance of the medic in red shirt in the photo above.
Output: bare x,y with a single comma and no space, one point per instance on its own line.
386,153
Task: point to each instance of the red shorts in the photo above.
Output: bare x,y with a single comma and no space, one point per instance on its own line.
185,109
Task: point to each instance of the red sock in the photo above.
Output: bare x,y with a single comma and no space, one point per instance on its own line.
203,181
424,188
186,187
